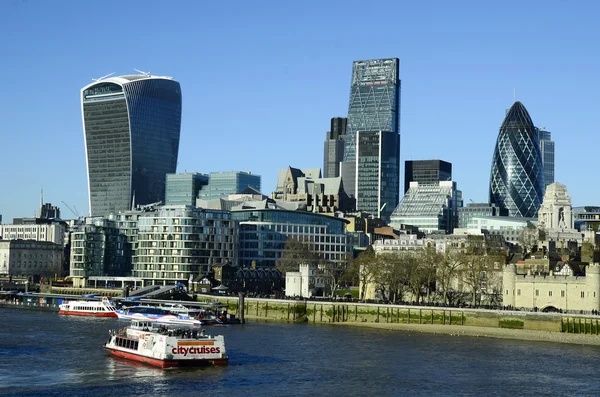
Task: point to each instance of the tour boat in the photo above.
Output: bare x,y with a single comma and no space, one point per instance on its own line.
104,308
163,346
162,315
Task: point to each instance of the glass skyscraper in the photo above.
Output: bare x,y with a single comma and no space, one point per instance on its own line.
131,127
377,172
547,149
334,147
517,175
374,106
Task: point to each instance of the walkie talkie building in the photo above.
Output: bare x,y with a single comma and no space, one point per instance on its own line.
517,176
131,128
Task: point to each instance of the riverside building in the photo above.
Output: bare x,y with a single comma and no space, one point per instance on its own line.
263,233
131,128
30,258
98,249
178,243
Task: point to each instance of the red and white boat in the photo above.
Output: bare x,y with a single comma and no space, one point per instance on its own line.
104,308
162,346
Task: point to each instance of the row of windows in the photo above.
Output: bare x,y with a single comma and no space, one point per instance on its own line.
562,293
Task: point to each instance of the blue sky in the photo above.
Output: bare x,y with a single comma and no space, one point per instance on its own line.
261,80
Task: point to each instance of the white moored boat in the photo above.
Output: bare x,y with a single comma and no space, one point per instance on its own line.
104,308
164,346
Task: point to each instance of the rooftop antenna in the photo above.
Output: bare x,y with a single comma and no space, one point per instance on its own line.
103,77
147,74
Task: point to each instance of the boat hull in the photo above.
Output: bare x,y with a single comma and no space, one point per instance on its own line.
165,363
89,314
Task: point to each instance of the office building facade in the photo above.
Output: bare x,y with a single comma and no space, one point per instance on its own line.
517,174
263,233
222,184
131,127
466,214
377,172
182,189
547,149
426,172
374,106
431,208
334,147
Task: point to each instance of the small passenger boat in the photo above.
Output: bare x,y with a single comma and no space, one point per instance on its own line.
104,308
166,346
163,315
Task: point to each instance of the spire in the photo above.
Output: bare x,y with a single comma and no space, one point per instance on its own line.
41,202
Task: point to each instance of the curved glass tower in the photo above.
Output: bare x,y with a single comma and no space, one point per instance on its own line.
517,177
131,127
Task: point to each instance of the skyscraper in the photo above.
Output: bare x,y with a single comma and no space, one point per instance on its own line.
426,172
131,127
374,106
517,175
377,172
547,149
334,147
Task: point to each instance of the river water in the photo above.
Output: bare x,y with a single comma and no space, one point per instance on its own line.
46,354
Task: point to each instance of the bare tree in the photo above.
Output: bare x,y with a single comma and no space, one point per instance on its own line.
529,237
364,268
295,253
448,272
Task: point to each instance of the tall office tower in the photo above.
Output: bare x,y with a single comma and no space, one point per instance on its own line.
374,106
426,172
377,172
182,189
131,127
517,175
547,149
334,147
222,184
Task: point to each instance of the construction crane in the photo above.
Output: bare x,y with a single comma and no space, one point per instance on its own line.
71,209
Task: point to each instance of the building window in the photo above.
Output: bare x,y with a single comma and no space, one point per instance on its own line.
549,293
582,294
562,294
519,292
537,292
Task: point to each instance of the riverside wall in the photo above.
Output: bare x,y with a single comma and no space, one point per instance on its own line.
336,312
351,313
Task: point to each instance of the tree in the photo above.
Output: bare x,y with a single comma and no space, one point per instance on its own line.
364,269
332,272
528,239
430,261
417,275
475,274
447,272
295,253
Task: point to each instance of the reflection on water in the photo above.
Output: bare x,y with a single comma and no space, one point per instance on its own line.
44,354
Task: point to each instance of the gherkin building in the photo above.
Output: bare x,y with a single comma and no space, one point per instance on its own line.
517,176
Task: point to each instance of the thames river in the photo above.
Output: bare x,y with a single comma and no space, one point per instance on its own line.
45,354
